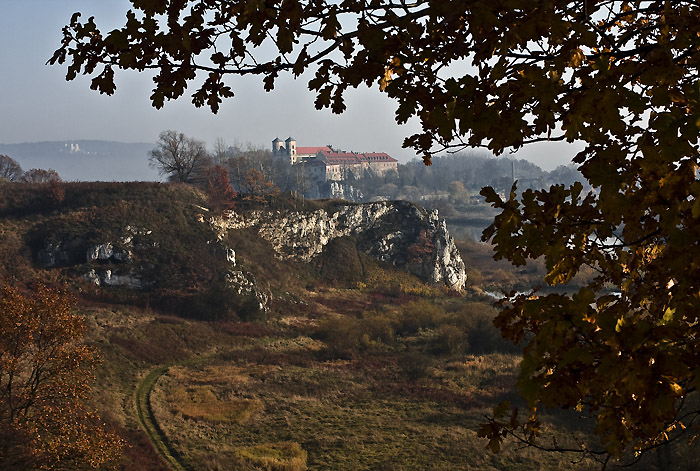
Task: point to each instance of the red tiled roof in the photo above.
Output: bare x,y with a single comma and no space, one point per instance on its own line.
349,158
315,163
379,157
311,150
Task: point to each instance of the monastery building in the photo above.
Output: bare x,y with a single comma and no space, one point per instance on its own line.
325,163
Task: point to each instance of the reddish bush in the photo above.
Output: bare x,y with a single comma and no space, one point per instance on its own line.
221,193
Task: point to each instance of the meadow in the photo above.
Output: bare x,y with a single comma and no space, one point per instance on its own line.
357,380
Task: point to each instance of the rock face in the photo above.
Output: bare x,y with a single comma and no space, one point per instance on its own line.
118,256
399,233
60,253
107,252
244,284
77,250
107,277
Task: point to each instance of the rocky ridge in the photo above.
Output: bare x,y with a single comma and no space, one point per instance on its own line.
399,233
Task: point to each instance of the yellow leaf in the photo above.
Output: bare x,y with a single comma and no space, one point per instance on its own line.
668,315
577,58
620,324
386,79
676,388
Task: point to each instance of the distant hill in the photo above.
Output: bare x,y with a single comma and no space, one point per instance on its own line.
86,160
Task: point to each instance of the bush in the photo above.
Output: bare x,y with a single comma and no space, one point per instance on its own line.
450,339
415,365
419,315
344,336
340,262
340,335
376,328
476,320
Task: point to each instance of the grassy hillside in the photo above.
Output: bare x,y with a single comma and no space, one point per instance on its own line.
356,365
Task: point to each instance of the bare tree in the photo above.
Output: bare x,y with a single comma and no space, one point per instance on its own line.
247,157
178,156
10,169
300,180
222,151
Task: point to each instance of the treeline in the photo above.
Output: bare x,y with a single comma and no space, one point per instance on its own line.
455,174
227,172
239,171
453,182
11,171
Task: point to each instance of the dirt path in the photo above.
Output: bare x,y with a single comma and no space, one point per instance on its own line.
148,421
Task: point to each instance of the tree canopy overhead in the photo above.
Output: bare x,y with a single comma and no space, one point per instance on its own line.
496,73
619,76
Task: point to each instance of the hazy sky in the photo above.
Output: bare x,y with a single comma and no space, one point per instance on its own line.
37,104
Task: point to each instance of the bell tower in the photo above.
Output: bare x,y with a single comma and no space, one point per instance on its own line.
291,145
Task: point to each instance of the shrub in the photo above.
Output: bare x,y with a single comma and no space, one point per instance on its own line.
376,328
450,339
340,335
476,320
419,315
340,262
345,335
414,364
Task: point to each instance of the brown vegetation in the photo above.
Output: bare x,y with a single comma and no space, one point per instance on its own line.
45,373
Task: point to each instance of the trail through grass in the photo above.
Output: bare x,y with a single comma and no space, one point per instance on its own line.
148,421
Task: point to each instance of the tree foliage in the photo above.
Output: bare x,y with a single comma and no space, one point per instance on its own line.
10,170
45,371
221,193
258,188
178,156
40,175
619,76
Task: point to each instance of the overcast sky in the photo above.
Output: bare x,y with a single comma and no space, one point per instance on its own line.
37,104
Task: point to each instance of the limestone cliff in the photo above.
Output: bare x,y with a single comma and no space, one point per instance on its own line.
121,252
399,233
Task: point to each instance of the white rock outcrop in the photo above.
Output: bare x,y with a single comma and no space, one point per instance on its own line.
107,277
245,285
388,231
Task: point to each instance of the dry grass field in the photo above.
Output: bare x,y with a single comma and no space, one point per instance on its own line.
386,399
356,385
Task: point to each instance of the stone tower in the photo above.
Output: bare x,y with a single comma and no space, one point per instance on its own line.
291,145
276,145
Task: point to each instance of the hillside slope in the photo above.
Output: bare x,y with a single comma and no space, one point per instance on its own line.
159,241
304,336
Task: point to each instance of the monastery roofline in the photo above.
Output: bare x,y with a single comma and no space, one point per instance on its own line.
361,157
311,150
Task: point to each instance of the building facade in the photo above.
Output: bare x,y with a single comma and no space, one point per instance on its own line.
327,164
